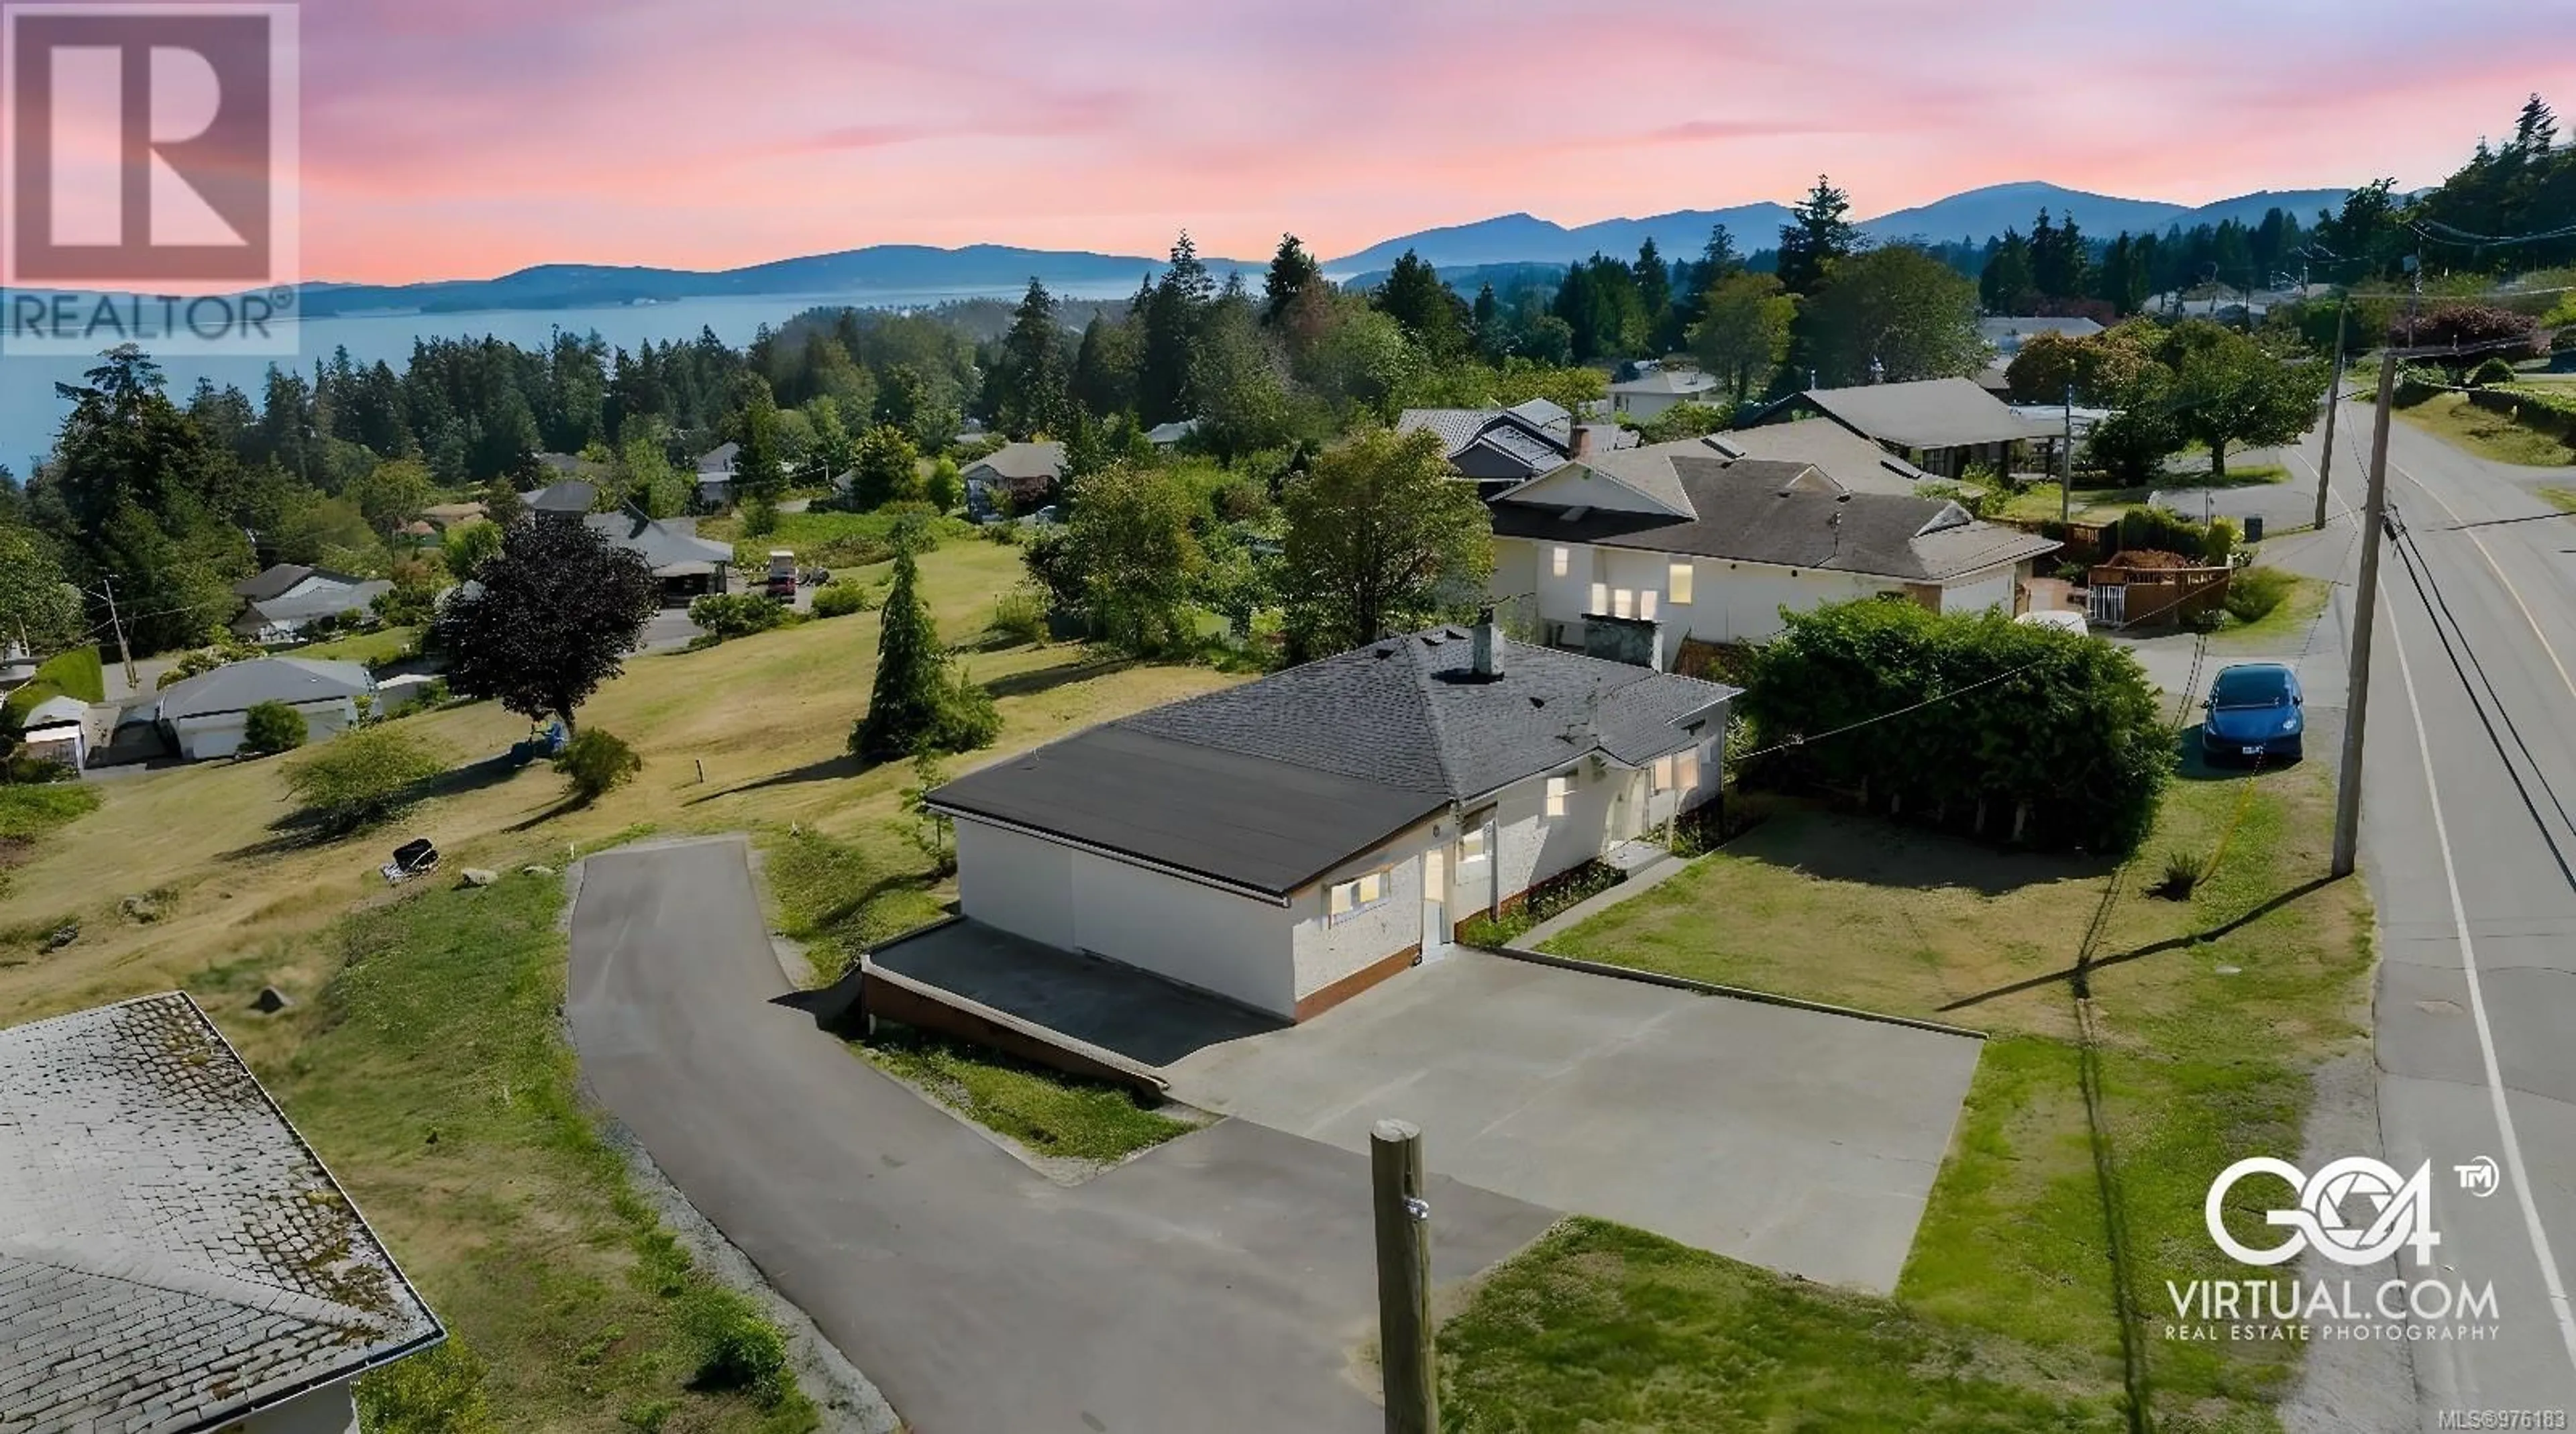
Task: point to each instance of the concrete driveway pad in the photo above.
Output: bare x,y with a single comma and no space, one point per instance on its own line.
1795,1139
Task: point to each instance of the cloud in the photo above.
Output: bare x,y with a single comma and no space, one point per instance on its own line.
473,136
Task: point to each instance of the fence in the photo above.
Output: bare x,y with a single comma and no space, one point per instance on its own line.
2086,543
2119,597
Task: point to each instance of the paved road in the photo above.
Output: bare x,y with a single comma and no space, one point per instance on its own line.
2469,853
1218,1282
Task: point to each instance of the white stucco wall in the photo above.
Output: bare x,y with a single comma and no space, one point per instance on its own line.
203,739
1075,900
1978,591
1327,951
1575,486
1642,406
1531,846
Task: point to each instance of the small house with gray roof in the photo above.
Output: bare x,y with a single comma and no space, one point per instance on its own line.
1940,425
208,715
173,1257
687,566
1012,479
1495,448
1632,554
1290,842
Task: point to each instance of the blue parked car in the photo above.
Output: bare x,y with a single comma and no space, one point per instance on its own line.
2253,712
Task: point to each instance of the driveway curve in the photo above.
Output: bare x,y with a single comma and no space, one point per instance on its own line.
1219,1281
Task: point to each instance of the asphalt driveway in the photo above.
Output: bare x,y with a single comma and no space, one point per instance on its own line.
1218,1282
1795,1139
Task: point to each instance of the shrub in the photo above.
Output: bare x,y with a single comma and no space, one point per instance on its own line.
737,1347
968,717
2494,370
842,599
728,615
2253,593
1020,615
361,778
596,762
1978,501
2021,707
2182,873
271,727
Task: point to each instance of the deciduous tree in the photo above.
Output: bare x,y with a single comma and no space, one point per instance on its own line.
558,609
1380,538
1743,332
1896,314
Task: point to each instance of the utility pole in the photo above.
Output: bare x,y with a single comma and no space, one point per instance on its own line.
2334,400
2066,465
2347,837
1405,1359
107,588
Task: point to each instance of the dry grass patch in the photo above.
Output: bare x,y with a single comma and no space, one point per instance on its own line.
2487,433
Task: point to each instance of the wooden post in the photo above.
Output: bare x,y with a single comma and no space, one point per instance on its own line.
1404,1332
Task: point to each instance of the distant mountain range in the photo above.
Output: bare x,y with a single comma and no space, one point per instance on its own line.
909,274
878,274
1976,216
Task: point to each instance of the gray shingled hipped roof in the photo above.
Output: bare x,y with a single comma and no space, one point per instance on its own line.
172,1256
663,545
240,686
273,581
1269,785
1929,413
1845,456
570,496
326,602
1021,461
1787,515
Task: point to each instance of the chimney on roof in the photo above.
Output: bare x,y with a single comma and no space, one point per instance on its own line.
1578,444
1489,647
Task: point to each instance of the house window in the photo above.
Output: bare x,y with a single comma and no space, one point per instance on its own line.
1663,774
1646,604
1557,790
1560,561
1623,603
1678,582
1600,597
1346,899
1471,845
1686,769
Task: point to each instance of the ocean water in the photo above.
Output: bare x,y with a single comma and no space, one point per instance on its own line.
31,412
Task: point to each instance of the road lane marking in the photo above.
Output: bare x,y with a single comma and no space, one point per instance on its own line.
2498,569
2478,1006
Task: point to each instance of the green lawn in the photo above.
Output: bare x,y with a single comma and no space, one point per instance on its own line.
1045,1111
28,812
2285,624
2486,433
434,1076
2562,499
1598,1327
362,646
2213,1012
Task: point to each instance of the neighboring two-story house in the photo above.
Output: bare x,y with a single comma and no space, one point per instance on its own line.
1630,554
1290,842
1940,425
1495,448
1012,479
278,602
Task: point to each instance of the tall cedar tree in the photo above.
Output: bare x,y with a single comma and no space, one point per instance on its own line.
1173,314
558,610
1819,232
757,469
905,706
1417,300
1380,539
1029,382
1655,295
1292,272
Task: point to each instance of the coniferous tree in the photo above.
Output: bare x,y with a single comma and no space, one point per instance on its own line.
1029,381
1292,272
916,706
1173,313
1819,232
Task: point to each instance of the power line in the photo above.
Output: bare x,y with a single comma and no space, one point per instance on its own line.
2450,234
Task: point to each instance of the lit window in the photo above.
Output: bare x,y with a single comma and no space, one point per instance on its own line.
1600,597
1471,845
1686,769
1663,774
1679,582
1623,603
1646,604
1346,899
1557,789
1561,561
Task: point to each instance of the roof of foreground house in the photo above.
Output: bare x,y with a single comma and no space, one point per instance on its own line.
173,1257
240,686
1926,413
1783,514
1269,785
1845,456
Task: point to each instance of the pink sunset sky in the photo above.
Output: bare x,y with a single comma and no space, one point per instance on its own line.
466,138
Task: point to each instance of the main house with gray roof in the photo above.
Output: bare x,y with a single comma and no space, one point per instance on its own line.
1290,842
1940,425
1632,554
173,1257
